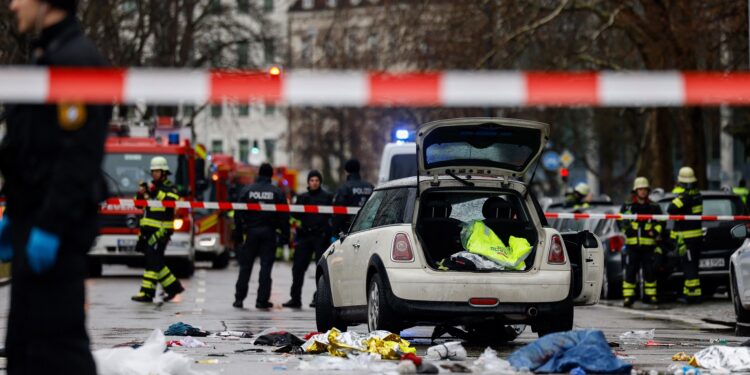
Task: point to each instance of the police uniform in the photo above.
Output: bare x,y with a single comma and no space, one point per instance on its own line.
313,237
642,249
51,160
687,236
354,192
259,230
157,227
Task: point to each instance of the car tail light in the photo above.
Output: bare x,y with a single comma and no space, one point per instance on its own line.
477,301
178,223
616,243
401,249
556,251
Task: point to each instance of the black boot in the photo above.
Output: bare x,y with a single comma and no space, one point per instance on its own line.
263,305
171,294
142,297
292,304
237,303
628,302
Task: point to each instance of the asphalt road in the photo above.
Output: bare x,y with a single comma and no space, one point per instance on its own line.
113,319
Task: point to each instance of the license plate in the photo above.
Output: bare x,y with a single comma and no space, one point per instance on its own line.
126,243
711,263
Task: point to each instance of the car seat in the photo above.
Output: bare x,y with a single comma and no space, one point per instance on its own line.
440,233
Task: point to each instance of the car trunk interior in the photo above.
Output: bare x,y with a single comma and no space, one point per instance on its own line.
443,214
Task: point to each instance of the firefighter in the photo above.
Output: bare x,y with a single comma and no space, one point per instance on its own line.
157,226
577,198
313,235
353,192
742,191
642,238
258,230
687,236
50,158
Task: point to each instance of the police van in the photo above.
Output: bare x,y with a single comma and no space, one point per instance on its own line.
399,160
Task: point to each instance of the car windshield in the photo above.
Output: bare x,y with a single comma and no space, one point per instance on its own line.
125,171
481,145
403,165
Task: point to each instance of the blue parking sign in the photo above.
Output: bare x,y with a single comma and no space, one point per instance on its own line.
551,161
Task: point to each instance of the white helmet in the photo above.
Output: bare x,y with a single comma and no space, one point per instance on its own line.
159,163
641,183
582,188
686,175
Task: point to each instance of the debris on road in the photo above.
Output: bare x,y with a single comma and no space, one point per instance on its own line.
718,341
278,338
723,358
237,334
251,350
290,349
183,329
187,342
386,344
654,343
681,356
637,338
211,361
564,351
362,362
491,363
151,358
450,350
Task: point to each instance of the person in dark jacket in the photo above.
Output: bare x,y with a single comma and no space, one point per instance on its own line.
259,237
354,193
688,234
313,235
642,240
51,159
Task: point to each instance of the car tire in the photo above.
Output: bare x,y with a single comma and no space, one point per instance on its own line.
562,321
221,261
326,316
379,314
743,315
95,267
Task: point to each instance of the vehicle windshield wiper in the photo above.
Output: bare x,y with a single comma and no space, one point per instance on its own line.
459,179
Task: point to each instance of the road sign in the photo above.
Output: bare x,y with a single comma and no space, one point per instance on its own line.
551,161
567,159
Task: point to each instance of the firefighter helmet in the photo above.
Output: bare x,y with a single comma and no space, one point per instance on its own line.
686,175
159,163
641,183
582,188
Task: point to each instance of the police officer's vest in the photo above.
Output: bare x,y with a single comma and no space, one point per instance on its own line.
479,239
742,192
687,202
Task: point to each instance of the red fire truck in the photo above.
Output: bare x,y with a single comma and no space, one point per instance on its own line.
125,166
213,229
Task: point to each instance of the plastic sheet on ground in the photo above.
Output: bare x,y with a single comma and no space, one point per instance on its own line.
489,362
564,351
723,358
636,338
184,329
386,344
238,334
149,359
450,350
363,362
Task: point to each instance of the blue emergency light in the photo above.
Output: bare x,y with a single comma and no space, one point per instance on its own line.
174,138
402,134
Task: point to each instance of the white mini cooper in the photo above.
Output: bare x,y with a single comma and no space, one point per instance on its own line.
389,269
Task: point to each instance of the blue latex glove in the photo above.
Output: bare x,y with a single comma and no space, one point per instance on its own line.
42,250
6,247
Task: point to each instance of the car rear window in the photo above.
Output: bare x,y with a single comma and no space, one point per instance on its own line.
403,165
721,206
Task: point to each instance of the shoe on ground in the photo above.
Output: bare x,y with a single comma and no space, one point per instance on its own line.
237,304
628,302
170,296
140,297
263,305
651,300
292,304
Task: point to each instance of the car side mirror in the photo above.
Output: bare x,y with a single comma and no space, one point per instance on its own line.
589,240
739,232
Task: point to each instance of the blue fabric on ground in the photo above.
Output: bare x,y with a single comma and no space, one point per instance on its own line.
564,351
183,329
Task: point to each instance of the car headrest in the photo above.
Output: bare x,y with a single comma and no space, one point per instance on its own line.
437,209
497,208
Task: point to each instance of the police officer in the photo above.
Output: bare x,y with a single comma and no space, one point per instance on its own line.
157,226
260,238
51,160
687,236
313,235
642,239
353,192
577,198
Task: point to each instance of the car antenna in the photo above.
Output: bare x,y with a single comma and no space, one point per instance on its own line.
528,186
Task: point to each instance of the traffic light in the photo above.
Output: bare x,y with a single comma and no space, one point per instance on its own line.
564,174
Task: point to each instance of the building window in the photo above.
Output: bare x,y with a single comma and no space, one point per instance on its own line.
270,145
269,50
270,109
244,110
244,150
268,5
243,6
243,52
217,146
216,110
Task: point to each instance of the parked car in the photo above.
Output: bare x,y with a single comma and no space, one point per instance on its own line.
718,246
385,271
739,280
613,241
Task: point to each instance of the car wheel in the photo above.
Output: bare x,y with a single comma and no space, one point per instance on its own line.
560,322
221,261
95,267
326,316
379,315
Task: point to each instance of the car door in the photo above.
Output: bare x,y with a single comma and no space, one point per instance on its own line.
592,269
342,262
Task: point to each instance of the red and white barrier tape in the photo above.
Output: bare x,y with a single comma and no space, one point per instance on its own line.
361,88
119,204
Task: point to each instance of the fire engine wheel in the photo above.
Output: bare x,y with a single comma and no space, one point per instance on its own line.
221,261
95,267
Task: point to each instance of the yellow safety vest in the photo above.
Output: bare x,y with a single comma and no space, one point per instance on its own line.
479,239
